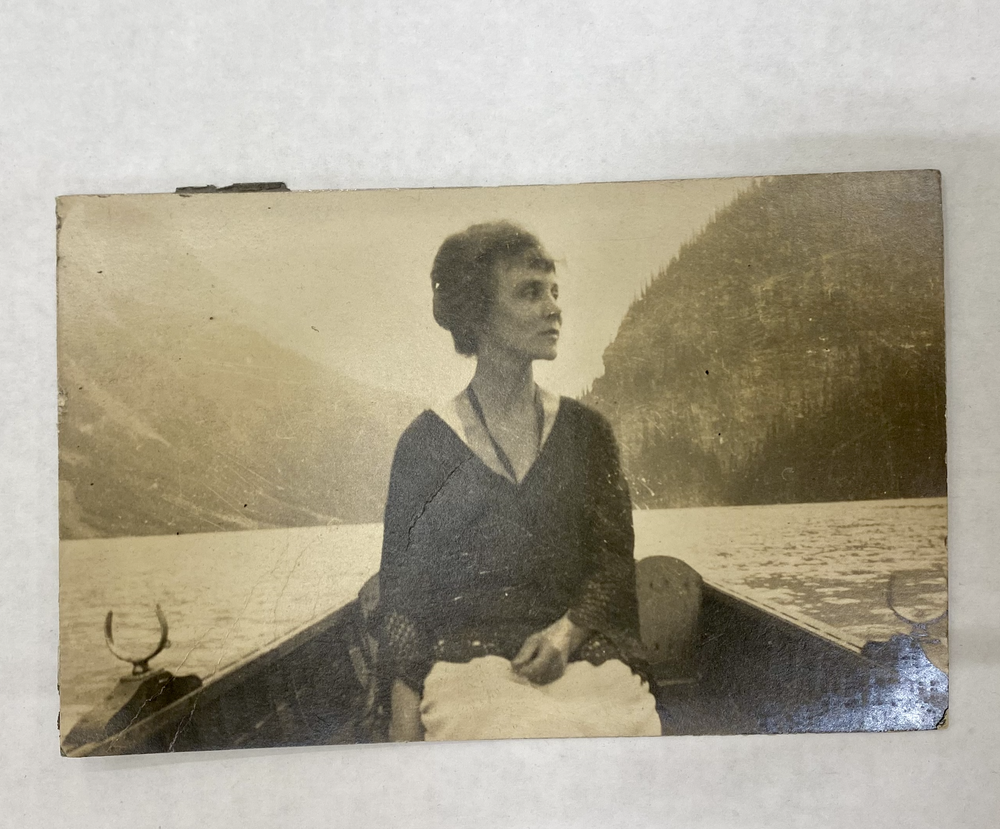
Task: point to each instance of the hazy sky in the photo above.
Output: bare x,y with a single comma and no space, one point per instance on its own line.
344,277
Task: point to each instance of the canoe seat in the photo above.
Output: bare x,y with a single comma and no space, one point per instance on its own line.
670,598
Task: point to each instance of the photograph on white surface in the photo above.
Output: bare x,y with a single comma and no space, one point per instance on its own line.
626,459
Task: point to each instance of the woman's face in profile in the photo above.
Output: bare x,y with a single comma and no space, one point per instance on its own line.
526,319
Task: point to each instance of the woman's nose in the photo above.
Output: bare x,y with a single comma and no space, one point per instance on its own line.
552,308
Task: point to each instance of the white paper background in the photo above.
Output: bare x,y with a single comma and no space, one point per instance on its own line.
128,97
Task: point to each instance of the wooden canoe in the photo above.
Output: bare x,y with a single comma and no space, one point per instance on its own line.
727,665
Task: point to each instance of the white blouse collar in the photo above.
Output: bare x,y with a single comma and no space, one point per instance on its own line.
457,413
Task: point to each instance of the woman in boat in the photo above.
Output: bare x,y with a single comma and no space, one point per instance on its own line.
508,605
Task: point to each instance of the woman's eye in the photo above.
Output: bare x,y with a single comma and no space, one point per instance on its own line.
537,291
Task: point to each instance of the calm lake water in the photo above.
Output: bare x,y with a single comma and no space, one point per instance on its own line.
226,595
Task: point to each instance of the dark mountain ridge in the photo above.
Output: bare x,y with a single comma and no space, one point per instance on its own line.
793,351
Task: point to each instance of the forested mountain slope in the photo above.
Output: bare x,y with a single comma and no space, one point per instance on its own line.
793,351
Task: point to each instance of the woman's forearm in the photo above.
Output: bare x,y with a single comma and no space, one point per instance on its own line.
405,725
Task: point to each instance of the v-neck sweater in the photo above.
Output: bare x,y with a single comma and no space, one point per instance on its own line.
473,562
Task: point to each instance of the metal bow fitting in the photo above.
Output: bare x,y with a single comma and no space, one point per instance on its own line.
918,627
140,665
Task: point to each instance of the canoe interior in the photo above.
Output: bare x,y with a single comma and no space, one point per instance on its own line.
755,673
762,674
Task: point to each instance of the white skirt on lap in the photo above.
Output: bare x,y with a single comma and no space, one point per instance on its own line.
485,700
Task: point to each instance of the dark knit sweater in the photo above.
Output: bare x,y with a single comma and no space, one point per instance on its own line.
473,563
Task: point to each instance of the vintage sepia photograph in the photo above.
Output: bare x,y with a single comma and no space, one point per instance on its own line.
624,459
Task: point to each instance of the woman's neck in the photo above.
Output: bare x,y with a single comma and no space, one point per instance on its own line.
504,386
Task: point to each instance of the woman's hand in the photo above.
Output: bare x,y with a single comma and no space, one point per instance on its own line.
405,725
544,655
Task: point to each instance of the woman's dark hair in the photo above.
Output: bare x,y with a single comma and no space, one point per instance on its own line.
464,276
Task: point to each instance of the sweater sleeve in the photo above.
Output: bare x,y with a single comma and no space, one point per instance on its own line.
606,602
405,651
